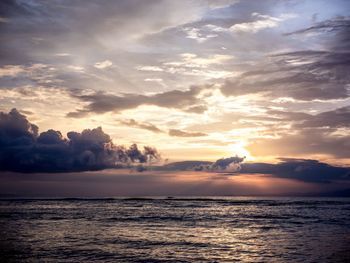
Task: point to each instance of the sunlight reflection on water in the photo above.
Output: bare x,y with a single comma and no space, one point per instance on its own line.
176,230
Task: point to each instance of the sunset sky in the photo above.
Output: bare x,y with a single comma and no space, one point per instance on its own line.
198,80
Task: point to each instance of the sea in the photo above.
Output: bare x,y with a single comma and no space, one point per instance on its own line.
175,229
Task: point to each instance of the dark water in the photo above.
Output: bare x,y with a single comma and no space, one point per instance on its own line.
175,230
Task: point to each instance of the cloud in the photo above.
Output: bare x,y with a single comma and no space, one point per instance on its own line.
338,118
301,134
304,75
149,68
331,25
204,30
231,164
311,141
100,102
180,133
197,109
76,68
288,115
141,125
306,170
190,60
300,169
227,165
174,44
334,119
191,64
154,80
16,129
37,29
103,64
151,127
186,166
36,74
264,22
22,149
196,34
11,70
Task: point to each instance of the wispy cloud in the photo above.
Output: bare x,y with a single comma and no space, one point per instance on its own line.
103,64
180,133
141,125
262,22
100,102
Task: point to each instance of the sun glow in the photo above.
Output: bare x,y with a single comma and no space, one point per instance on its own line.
240,150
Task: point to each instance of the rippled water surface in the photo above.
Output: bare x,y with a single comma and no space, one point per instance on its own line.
175,230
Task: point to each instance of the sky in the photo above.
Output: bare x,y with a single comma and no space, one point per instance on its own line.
192,80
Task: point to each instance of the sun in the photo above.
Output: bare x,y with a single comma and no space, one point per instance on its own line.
239,150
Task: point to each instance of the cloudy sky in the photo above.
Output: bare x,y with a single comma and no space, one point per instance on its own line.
198,80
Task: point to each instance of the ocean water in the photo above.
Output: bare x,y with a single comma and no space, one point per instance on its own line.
175,230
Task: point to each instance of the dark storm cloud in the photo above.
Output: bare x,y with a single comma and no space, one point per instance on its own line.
16,129
100,102
180,133
141,125
23,150
303,75
300,169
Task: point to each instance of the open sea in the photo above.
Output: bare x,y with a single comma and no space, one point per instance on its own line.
238,229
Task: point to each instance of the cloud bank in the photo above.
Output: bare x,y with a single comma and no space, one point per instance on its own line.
305,170
300,169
